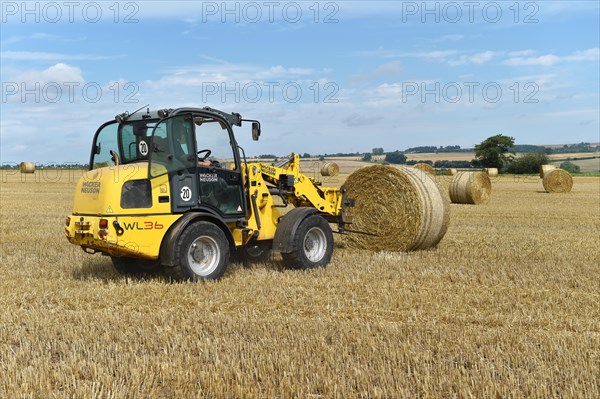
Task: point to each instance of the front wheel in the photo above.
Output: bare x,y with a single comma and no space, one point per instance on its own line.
312,244
202,253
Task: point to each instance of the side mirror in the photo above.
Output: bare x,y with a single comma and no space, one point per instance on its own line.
255,131
98,148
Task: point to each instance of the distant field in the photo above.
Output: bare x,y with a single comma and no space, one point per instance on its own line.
450,156
586,165
506,306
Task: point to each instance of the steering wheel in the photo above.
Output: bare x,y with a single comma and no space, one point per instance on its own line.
202,159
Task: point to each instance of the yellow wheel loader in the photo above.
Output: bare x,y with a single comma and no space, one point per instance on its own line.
172,189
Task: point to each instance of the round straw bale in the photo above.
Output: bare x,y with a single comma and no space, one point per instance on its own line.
545,169
557,181
405,209
491,172
470,188
27,167
451,172
425,167
330,169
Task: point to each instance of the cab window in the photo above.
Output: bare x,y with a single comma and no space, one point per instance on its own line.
172,145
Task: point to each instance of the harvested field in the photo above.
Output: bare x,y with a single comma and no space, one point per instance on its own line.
507,305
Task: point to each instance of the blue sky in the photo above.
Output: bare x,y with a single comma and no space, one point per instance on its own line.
322,77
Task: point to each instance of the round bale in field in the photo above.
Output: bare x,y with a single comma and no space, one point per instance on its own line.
491,172
557,181
471,188
545,169
425,167
330,169
27,167
451,172
404,208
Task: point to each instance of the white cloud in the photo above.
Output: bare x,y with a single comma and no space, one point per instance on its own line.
388,68
592,54
356,119
44,36
280,71
521,53
544,60
435,55
58,73
223,72
478,58
454,37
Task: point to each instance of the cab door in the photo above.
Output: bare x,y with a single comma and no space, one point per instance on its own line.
173,153
219,177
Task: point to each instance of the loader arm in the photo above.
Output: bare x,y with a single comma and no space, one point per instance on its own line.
295,188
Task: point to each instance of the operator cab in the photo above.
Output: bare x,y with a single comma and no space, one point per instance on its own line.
195,147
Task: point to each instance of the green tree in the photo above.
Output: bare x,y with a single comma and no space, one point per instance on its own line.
395,157
367,157
570,167
378,151
528,163
494,152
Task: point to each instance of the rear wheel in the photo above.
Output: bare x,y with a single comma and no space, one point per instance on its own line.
134,266
312,244
202,253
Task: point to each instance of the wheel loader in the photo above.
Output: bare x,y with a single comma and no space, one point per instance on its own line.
171,189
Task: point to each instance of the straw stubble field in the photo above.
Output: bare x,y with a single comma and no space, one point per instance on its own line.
507,305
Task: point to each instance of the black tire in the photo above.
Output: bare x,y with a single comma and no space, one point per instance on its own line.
201,253
135,266
312,244
256,252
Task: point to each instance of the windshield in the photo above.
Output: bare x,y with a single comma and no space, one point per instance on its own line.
122,144
190,141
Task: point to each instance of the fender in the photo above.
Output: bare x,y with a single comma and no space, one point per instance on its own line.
167,256
287,227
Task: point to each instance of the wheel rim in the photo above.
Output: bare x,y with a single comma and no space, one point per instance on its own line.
204,255
315,244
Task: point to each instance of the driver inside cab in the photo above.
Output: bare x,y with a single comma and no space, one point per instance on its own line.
181,138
